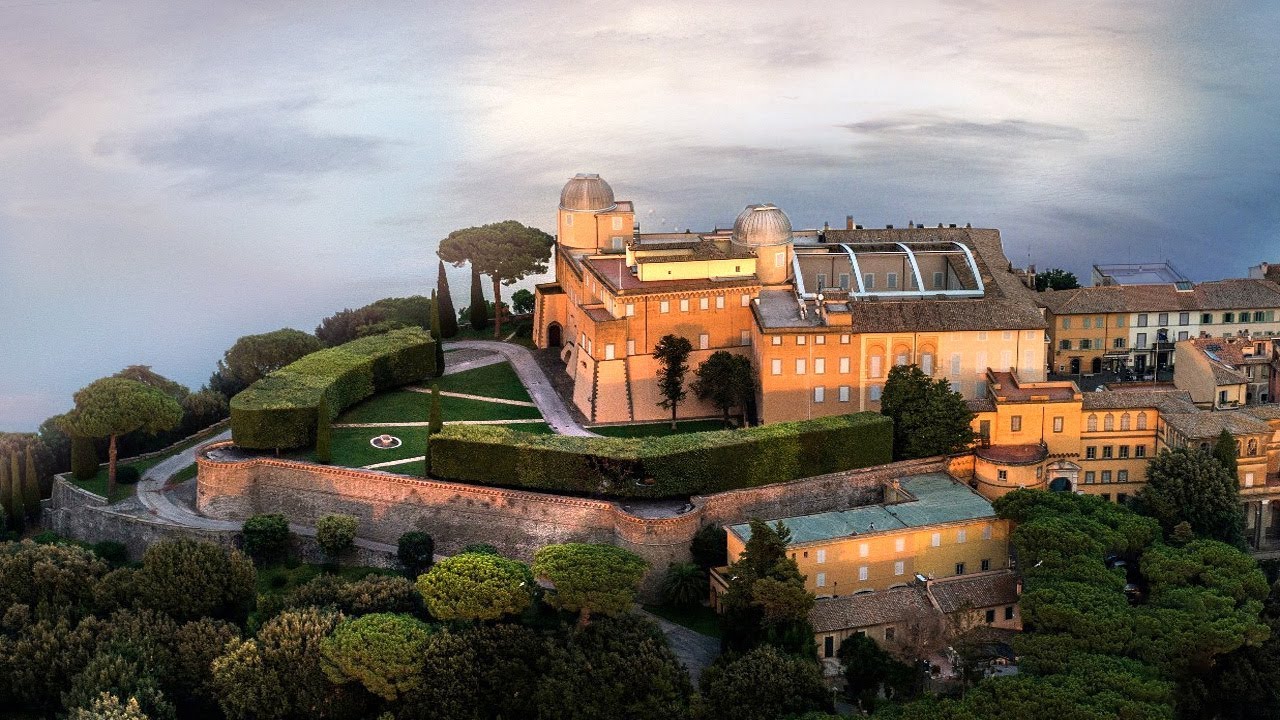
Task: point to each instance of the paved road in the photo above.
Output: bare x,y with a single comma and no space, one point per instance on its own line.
694,649
535,381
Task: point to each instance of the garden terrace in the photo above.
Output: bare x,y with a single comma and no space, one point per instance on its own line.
280,410
662,467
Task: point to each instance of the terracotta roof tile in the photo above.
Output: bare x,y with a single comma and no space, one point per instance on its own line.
868,609
1237,294
970,592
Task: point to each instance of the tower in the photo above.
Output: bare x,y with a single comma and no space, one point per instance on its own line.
766,231
589,219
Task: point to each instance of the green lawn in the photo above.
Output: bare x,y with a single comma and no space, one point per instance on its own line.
351,447
652,429
183,475
498,380
410,406
698,619
98,484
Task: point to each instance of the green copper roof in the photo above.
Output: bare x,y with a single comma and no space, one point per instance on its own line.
939,498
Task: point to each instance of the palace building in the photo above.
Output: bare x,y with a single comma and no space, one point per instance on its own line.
822,314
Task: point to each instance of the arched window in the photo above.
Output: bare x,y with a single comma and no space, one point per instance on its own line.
1124,421
1093,423
1109,422
1253,446
1142,421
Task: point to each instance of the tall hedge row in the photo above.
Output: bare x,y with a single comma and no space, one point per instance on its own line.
280,410
658,467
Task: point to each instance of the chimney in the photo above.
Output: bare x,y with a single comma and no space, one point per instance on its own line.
848,222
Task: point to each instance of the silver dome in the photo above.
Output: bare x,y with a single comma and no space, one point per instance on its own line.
587,192
761,226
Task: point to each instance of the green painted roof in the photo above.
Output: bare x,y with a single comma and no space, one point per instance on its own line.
939,498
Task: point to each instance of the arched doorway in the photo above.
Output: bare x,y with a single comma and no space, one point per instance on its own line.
1097,365
1064,476
1060,484
1075,366
553,335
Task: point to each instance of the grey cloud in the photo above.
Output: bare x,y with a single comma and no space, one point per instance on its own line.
925,126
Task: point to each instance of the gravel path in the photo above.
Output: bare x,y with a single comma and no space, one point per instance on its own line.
694,649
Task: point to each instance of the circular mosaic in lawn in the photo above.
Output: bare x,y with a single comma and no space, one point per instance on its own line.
385,442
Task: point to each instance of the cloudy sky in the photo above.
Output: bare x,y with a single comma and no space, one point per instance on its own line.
177,174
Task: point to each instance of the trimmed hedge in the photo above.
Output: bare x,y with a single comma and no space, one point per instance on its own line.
280,410
658,467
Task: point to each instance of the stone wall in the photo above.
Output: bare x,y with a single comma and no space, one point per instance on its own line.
516,522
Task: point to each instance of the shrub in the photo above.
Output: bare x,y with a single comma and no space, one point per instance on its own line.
372,594
189,580
710,547
480,549
280,410
664,466
84,458
266,537
416,551
127,475
684,585
113,552
54,581
336,534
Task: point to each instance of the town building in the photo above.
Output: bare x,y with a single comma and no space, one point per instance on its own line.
823,314
1227,372
1161,273
1135,327
929,525
919,617
1266,271
1049,435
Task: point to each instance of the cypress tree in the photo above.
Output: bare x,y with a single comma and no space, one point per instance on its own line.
435,424
31,486
324,432
84,457
436,334
1224,450
479,313
17,499
448,316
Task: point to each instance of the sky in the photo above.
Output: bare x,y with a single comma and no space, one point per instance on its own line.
175,174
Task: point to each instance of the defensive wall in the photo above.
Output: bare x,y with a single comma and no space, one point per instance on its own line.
517,522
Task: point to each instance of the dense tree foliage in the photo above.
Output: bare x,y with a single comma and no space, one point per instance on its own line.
266,537
1224,451
111,407
381,651
1056,279
590,578
448,315
763,684
1195,487
416,551
522,302
710,547
684,585
727,381
475,586
929,418
506,251
767,602
189,580
478,310
336,534
253,357
672,353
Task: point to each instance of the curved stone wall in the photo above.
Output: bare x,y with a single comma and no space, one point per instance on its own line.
515,521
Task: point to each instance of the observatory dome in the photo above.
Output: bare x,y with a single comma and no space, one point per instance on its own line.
762,226
587,192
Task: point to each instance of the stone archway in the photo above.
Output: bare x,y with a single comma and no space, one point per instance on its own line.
1060,484
1064,476
553,335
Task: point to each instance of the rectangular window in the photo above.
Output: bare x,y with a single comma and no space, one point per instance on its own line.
863,549
986,532
1206,318
828,646
1258,316
889,633
1122,476
898,568
991,616
1008,612
1057,424
744,338
631,347
962,535
1106,477
986,564
891,281
1141,341
820,580
1163,319
1084,344
819,339
777,366
844,365
844,281
608,351
1002,474
1091,453
704,303
959,568
844,393
869,281
1015,423
955,364
1089,477
862,572
1184,318
704,341
936,540
844,339
822,281
819,394
1124,451
1066,323
875,366
937,281
900,544
1118,343
800,339
819,366
874,391
745,300
1142,320
1228,317
1248,479
1086,324
719,302
822,556
1107,452
664,306
780,259
776,339
1064,344
631,309
800,363
684,304
1140,451
1120,321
